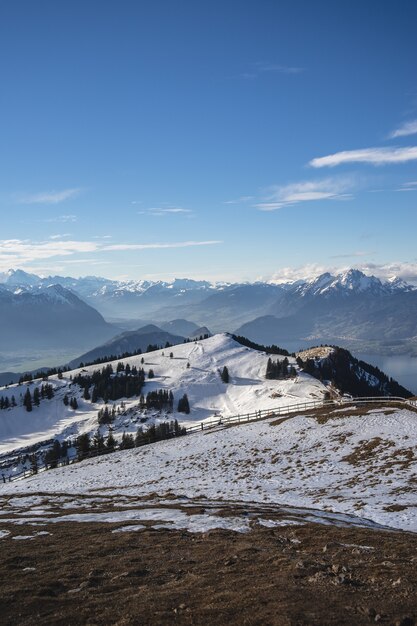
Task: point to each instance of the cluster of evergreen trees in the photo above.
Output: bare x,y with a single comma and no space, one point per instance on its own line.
161,400
43,392
106,385
72,402
111,357
6,403
56,454
106,415
352,376
87,446
165,430
257,346
279,370
43,374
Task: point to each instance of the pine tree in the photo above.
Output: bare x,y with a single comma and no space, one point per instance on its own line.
110,442
183,405
34,463
83,445
225,375
127,441
27,400
98,442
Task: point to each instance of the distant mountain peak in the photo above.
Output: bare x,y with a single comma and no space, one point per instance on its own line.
19,277
352,281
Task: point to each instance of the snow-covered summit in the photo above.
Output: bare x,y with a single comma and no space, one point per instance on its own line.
352,281
19,278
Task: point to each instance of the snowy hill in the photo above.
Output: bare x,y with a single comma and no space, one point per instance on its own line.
343,464
248,390
346,466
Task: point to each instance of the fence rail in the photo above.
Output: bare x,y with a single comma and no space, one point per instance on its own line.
295,408
244,418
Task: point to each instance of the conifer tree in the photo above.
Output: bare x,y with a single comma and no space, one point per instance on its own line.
183,405
27,400
83,445
110,442
225,375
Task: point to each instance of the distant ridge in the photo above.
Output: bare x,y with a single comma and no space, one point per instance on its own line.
130,341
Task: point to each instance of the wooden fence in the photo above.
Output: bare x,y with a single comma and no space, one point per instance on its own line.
244,418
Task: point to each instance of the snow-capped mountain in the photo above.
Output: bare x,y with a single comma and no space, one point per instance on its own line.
348,283
47,316
352,309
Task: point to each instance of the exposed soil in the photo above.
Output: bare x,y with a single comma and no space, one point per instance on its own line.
294,575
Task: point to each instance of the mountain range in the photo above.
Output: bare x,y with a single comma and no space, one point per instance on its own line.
350,309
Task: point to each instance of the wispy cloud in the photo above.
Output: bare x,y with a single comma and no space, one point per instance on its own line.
264,67
63,236
375,156
159,246
64,219
241,200
47,197
410,186
408,128
305,191
351,255
163,211
19,252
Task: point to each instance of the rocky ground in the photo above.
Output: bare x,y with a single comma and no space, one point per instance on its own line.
84,573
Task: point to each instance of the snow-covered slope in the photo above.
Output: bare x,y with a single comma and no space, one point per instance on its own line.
247,391
359,462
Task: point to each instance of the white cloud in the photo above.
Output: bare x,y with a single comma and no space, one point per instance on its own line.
384,271
240,200
410,186
408,128
375,156
19,253
306,191
163,211
64,219
48,197
159,246
303,272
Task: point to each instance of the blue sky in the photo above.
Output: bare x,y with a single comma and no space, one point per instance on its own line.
233,140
